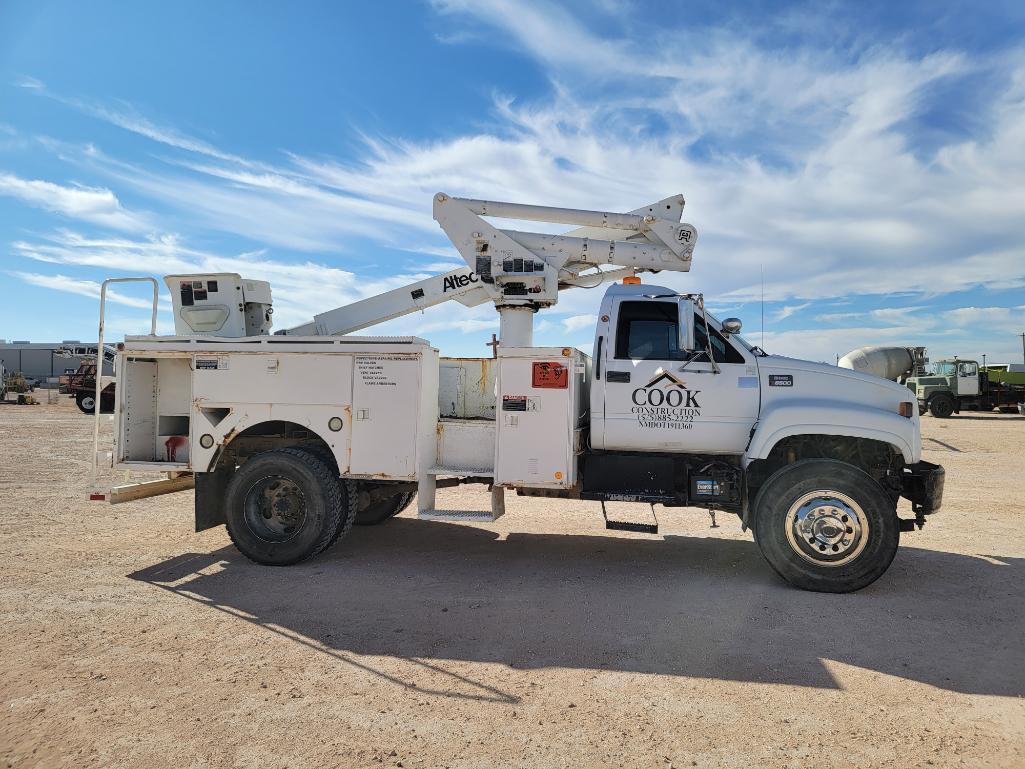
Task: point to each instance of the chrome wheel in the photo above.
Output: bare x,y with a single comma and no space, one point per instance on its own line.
89,403
274,509
827,528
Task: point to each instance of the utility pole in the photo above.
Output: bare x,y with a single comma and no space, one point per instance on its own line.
1022,335
493,344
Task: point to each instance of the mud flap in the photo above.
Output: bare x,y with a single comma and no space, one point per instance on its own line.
210,493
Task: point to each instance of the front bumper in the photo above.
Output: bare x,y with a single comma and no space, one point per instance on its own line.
923,485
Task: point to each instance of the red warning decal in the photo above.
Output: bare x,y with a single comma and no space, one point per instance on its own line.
551,375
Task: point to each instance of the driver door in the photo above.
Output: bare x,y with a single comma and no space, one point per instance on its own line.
968,378
659,397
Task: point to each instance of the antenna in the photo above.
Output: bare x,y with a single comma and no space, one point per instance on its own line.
761,270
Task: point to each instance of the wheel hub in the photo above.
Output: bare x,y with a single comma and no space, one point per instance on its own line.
827,528
275,509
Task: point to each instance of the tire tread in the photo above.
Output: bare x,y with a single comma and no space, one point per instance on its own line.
330,486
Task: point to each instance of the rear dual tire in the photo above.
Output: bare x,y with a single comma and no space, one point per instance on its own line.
287,505
379,511
826,526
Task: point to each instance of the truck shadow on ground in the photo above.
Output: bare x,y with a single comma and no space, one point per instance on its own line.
682,606
1009,416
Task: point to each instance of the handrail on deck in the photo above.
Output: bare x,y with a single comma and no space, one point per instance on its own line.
99,367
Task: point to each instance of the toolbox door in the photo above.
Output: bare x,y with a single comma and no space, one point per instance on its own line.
385,406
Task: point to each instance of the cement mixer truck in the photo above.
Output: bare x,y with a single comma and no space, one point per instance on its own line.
893,363
944,388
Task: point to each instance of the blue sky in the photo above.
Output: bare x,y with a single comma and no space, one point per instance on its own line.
868,159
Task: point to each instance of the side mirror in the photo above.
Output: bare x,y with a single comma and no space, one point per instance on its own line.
686,324
732,325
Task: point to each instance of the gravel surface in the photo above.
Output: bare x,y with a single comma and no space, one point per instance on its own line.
541,640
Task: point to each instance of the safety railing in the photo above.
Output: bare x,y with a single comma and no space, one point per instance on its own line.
94,465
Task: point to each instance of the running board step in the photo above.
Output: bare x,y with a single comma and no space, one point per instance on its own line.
643,528
459,516
430,513
475,472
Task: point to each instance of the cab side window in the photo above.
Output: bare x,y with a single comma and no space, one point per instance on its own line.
722,350
648,331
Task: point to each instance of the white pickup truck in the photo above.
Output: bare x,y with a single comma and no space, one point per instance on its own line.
291,439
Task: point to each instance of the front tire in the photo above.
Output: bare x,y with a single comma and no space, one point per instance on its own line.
941,406
826,526
284,506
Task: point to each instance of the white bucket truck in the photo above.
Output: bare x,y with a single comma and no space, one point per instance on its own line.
290,439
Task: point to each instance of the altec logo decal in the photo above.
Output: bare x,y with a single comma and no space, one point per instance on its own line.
452,282
666,402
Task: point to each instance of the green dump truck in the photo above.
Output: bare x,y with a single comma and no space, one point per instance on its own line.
951,386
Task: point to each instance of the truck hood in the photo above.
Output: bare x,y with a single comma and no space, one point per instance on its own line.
817,397
825,373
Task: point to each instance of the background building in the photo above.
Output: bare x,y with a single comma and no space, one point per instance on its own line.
42,362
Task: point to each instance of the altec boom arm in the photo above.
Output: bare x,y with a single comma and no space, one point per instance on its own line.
524,271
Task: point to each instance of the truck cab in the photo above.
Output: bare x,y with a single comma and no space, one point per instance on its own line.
953,385
947,382
684,411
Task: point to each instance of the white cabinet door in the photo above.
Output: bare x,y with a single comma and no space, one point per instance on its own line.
385,407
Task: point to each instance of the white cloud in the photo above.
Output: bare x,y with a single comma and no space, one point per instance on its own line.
129,119
787,310
80,287
577,322
967,332
300,289
803,162
30,83
830,201
92,204
995,319
441,267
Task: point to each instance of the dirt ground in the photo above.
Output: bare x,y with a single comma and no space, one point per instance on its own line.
541,640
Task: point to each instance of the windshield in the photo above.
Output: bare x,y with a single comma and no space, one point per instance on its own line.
943,368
